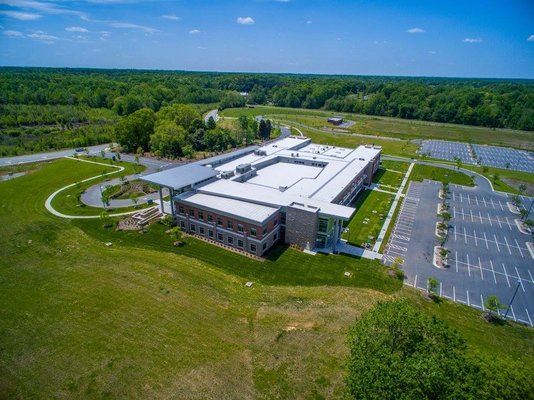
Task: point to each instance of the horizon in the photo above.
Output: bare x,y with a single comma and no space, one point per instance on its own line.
478,40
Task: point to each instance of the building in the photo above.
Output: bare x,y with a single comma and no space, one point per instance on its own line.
335,120
290,190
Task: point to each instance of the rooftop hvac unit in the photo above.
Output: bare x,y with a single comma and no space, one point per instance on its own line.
227,174
282,188
260,152
243,168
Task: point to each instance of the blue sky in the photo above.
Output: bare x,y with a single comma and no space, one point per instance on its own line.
413,38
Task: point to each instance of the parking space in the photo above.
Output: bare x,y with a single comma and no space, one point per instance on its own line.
402,230
501,157
488,253
445,150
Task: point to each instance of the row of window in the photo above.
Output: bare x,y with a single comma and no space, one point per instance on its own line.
220,237
229,224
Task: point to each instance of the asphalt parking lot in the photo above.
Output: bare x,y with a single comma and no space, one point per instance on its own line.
488,254
446,150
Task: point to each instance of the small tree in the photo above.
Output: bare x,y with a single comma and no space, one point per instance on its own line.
496,177
118,156
522,188
493,305
524,214
432,285
443,252
103,153
105,200
516,200
105,219
135,200
446,216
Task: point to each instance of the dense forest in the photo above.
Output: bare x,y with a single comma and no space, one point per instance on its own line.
40,108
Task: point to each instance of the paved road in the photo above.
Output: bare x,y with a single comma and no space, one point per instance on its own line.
29,158
213,114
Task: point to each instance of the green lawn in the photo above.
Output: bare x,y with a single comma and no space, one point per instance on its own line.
68,201
143,319
388,178
421,172
396,127
395,165
365,204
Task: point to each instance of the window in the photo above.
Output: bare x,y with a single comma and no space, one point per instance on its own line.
201,215
193,228
253,247
192,213
240,228
181,210
182,224
264,246
253,232
239,243
220,237
230,225
201,230
219,221
264,231
210,233
283,218
323,225
275,222
275,236
210,218
230,240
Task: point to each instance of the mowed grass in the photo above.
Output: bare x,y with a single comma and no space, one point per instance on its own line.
388,178
143,319
420,172
398,128
394,165
365,223
68,201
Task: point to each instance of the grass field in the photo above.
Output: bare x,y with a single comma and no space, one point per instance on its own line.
144,319
369,201
399,166
421,172
398,128
388,178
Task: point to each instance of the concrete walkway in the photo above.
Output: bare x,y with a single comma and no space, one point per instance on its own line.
345,248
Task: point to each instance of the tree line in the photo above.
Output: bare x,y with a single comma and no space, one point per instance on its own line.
483,102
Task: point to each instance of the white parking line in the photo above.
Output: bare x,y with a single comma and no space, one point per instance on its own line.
499,221
520,280
468,198
493,270
454,294
468,303
465,236
471,212
509,226
493,205
486,239
463,214
497,243
415,281
509,251
484,199
519,248
454,211
454,233
506,275
480,215
528,315
456,258
475,236
476,199
513,313
531,280
501,205
489,219
480,266
461,198
482,302
468,266
453,196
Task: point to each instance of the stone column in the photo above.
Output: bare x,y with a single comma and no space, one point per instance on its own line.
160,190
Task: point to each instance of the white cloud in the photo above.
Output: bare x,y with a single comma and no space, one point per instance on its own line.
194,32
531,38
76,29
472,40
309,22
432,52
44,7
415,30
14,34
127,25
23,16
171,17
41,36
245,20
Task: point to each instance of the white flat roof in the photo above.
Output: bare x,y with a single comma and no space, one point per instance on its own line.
243,209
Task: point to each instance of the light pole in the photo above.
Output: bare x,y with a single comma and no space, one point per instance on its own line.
513,297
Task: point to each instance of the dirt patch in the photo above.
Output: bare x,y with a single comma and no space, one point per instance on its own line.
516,182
